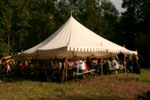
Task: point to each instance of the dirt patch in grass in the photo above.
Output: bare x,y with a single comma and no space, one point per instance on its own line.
128,85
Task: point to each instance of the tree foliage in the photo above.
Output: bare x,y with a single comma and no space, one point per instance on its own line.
25,23
134,25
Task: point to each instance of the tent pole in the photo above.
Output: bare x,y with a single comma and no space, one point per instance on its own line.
101,63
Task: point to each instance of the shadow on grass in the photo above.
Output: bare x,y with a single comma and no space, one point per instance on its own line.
5,78
143,77
144,96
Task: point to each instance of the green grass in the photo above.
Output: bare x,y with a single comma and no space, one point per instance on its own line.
100,88
145,76
28,90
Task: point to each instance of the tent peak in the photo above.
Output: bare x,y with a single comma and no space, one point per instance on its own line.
71,13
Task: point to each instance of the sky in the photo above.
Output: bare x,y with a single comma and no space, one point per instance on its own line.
118,3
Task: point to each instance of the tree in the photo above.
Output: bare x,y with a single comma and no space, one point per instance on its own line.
99,16
110,16
25,23
135,24
5,27
41,21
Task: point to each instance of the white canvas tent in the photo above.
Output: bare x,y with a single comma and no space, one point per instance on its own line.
74,39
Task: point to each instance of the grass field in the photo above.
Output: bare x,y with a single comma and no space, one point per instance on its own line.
110,87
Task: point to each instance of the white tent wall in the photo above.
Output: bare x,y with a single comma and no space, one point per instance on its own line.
74,39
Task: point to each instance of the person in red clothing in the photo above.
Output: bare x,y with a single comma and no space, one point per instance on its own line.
25,66
86,65
20,66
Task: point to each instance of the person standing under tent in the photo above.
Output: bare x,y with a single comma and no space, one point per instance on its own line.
136,64
129,64
121,59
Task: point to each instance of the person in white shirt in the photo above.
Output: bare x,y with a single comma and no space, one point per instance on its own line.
82,66
115,64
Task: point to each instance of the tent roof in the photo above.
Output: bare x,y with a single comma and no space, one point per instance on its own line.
75,37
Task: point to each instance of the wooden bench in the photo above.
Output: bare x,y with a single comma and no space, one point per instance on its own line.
112,69
118,69
82,75
122,68
92,70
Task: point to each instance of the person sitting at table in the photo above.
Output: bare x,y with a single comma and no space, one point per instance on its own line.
57,70
77,65
46,64
95,64
20,66
90,63
107,66
115,64
71,64
25,66
85,62
82,67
